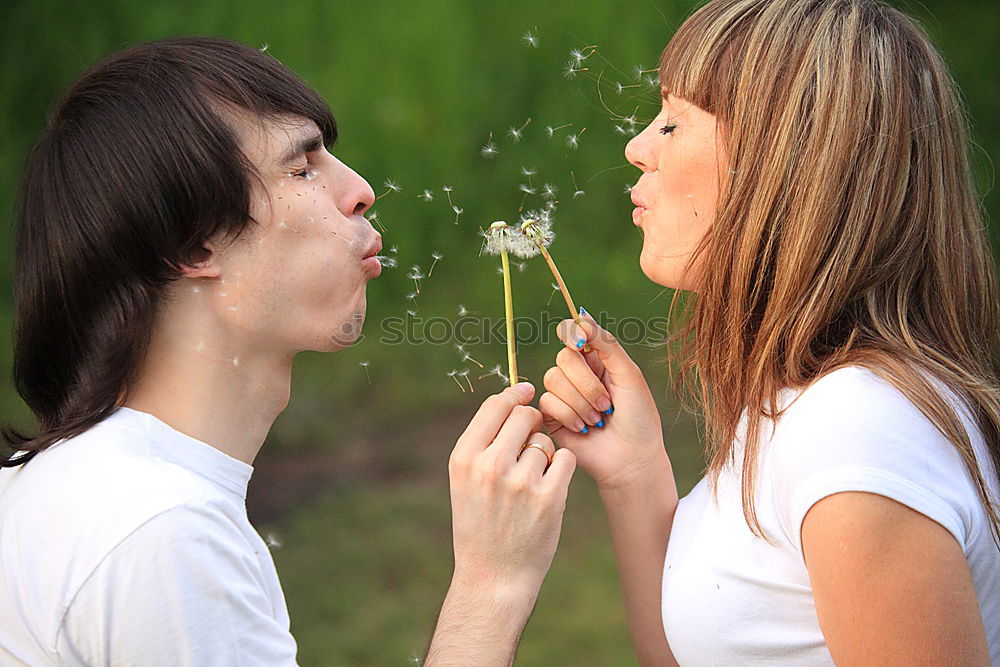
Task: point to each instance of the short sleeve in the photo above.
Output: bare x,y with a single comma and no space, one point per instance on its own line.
853,431
185,588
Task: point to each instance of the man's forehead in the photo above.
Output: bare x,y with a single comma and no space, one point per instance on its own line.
279,139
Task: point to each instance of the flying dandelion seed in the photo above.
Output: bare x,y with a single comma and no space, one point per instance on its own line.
447,189
416,275
515,132
365,364
386,261
394,250
493,371
465,355
549,130
620,130
452,374
426,195
464,373
652,81
521,266
555,288
458,212
577,192
549,191
437,258
526,189
531,171
571,69
462,310
628,188
411,313
390,187
531,39
374,219
489,151
264,47
273,541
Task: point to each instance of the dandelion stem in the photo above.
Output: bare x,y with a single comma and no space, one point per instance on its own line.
509,317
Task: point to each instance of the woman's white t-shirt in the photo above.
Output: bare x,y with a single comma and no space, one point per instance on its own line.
730,598
130,545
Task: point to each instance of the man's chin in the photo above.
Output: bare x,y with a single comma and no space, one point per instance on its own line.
347,334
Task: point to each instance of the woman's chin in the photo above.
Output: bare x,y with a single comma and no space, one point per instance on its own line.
654,270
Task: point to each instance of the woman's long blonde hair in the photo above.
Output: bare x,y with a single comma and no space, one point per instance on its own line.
848,232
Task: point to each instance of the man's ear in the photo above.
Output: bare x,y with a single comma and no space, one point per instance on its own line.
204,263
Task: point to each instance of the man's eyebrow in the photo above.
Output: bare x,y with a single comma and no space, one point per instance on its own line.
303,146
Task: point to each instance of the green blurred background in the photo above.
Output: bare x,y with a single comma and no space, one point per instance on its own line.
351,487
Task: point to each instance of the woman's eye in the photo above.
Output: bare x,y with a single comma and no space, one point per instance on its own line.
667,129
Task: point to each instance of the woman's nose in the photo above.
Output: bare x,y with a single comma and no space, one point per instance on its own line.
638,151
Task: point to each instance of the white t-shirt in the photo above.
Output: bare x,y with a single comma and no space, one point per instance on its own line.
730,598
130,545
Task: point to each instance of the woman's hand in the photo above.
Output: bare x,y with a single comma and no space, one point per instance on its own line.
507,504
599,407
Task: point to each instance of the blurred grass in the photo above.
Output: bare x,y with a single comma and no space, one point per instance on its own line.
417,89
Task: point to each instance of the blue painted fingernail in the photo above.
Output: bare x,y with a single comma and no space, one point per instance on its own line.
600,424
610,411
583,430
583,311
580,343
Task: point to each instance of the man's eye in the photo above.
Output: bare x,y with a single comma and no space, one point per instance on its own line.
667,129
301,173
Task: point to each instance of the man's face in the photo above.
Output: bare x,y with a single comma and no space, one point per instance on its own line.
296,281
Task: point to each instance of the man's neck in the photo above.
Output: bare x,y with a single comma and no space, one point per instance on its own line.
212,388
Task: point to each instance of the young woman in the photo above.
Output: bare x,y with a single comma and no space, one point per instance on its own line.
807,184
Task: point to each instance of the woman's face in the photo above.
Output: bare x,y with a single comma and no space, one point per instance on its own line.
676,194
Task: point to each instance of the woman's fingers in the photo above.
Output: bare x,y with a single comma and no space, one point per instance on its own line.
609,352
579,372
559,474
557,382
557,415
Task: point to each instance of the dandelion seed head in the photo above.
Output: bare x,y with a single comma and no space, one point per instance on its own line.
415,273
576,56
437,256
526,189
570,70
427,195
389,183
364,363
446,188
457,210
514,134
549,130
573,140
531,39
412,296
530,171
489,151
619,88
537,227
549,191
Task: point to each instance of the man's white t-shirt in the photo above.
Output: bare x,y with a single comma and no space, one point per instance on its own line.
130,545
730,598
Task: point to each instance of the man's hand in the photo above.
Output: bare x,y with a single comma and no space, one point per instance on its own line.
507,509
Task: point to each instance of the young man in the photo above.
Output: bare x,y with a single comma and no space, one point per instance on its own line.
183,232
